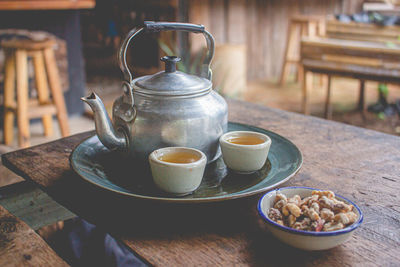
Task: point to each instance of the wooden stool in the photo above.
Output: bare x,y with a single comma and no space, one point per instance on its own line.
307,26
16,71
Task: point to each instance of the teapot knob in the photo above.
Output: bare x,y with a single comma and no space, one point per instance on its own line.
170,63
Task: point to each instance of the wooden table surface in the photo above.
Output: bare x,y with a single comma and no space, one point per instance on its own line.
21,246
362,165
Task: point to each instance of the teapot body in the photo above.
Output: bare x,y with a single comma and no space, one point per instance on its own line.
184,121
168,108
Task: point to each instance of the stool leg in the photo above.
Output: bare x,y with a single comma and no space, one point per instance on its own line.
289,47
21,60
9,98
321,28
312,29
303,28
43,90
56,91
300,72
328,105
307,86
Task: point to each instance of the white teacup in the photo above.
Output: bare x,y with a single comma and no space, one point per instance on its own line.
245,158
175,175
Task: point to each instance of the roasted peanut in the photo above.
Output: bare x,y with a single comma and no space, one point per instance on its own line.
296,199
304,201
345,218
294,209
291,219
302,225
315,207
285,210
280,204
332,226
317,225
351,216
313,199
313,215
280,196
325,202
328,194
342,218
327,214
315,192
274,214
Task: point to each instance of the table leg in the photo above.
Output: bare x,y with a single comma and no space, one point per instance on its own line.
361,99
328,105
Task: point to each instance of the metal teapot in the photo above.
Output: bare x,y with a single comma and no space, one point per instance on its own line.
169,108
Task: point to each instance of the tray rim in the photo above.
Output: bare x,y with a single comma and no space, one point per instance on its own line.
193,200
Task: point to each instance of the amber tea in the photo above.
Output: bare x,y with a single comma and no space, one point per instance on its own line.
246,140
180,157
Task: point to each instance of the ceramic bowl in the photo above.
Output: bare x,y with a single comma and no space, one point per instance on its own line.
177,178
306,240
244,158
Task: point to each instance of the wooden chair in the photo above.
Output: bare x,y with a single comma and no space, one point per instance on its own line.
307,26
347,58
46,76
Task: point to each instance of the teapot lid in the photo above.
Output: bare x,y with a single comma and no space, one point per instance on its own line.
171,82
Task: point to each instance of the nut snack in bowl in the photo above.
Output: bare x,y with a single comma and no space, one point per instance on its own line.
308,218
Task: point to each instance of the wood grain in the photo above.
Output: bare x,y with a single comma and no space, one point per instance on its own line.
21,246
362,165
33,206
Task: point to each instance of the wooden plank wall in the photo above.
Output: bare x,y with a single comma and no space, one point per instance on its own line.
260,24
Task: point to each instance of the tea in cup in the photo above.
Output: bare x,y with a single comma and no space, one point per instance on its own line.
177,170
245,151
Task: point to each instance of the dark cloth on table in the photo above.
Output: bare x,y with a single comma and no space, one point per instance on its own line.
84,244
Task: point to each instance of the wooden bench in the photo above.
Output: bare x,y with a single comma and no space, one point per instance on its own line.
21,246
356,59
362,31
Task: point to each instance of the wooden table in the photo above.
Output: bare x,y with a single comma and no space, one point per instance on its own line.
362,165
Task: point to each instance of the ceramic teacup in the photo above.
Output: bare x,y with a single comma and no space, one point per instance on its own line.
245,157
177,170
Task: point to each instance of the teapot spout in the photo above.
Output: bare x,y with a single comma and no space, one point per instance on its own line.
105,131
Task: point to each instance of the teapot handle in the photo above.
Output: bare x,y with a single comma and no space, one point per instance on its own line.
151,26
